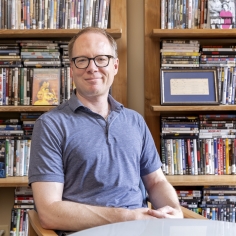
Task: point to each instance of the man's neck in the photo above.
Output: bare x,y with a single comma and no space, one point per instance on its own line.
99,105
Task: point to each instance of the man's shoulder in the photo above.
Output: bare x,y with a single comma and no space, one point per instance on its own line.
133,113
57,112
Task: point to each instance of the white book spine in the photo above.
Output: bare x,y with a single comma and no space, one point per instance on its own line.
46,14
22,158
163,8
190,12
17,173
103,13
180,157
25,86
223,99
90,12
195,156
1,86
13,14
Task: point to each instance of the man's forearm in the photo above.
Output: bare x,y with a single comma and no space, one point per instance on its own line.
70,216
168,196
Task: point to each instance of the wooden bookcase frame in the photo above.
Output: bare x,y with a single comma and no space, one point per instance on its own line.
118,29
153,109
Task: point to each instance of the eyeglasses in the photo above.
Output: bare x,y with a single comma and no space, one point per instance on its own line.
100,61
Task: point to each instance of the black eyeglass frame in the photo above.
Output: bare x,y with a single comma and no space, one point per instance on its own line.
92,58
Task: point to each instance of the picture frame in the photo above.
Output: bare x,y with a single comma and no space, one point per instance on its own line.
46,86
189,87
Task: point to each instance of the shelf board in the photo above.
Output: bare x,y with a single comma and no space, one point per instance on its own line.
48,33
193,33
219,108
25,108
14,181
201,180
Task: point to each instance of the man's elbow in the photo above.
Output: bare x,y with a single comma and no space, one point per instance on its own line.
46,222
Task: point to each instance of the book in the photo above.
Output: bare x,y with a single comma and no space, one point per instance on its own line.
2,159
46,86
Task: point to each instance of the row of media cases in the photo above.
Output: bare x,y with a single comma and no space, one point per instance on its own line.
216,203
189,55
199,145
34,72
15,144
54,14
198,14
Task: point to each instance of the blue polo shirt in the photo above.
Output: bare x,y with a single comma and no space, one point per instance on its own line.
100,162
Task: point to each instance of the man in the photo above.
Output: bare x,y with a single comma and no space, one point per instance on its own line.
88,154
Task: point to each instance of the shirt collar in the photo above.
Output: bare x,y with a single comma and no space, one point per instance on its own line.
75,103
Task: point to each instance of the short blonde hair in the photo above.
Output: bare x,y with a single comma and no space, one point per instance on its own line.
93,30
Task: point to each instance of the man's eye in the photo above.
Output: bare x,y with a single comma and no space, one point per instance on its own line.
81,60
101,59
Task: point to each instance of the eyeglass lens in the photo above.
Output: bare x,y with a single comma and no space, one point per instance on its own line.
100,61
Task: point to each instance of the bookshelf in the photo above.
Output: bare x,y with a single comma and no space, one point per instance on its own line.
153,110
118,29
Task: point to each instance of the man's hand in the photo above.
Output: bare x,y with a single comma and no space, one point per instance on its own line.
166,212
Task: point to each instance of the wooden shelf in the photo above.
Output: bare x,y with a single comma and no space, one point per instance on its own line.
193,33
48,33
201,180
14,181
219,108
26,108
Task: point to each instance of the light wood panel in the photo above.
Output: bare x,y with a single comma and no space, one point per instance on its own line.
14,181
152,68
49,33
193,33
118,19
25,108
193,108
201,180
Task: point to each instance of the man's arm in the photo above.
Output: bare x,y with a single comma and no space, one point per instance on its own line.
70,216
162,196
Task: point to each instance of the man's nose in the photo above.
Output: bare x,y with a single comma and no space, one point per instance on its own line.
92,63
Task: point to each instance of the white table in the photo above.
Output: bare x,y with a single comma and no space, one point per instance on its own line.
163,227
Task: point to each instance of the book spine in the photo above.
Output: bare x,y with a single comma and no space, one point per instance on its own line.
233,169
215,156
1,86
163,156
175,160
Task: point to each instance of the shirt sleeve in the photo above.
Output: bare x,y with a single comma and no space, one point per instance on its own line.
150,159
46,154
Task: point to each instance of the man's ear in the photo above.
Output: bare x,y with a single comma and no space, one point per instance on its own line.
116,65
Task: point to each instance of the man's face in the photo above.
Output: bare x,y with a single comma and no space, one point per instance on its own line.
93,81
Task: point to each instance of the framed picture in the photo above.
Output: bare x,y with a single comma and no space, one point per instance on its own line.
189,87
46,86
